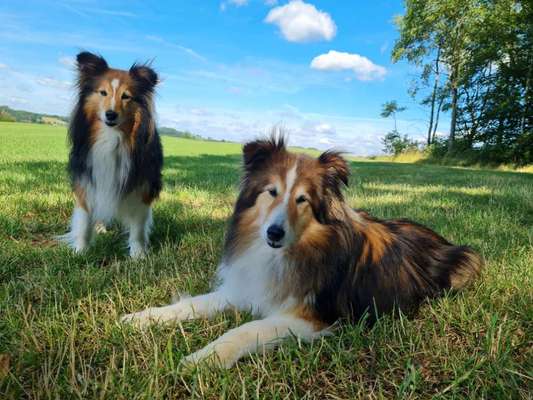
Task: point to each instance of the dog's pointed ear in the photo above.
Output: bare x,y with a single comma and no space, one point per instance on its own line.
145,76
256,153
90,65
336,167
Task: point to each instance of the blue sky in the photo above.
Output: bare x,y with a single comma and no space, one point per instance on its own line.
230,69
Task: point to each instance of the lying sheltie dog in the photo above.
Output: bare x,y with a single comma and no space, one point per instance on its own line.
300,258
116,157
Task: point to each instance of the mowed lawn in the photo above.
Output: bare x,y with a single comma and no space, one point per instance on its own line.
59,335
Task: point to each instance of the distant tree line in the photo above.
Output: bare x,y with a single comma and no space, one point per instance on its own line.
182,134
475,59
8,114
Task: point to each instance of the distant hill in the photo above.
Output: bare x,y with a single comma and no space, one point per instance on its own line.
11,115
174,132
187,135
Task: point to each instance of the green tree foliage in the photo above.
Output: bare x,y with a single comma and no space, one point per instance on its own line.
5,116
12,115
394,143
391,108
476,60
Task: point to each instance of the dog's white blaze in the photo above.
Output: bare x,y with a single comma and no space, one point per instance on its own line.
279,215
114,84
289,182
109,160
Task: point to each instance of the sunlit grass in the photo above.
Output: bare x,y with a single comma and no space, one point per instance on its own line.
59,336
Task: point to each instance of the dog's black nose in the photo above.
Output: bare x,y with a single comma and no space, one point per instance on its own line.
111,115
275,233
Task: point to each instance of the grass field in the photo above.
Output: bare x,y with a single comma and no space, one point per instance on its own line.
59,336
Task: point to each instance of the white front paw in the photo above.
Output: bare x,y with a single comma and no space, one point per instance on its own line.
223,356
100,228
78,244
79,247
137,250
141,318
153,315
201,356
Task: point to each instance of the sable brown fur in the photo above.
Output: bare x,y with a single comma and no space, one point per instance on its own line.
344,263
138,124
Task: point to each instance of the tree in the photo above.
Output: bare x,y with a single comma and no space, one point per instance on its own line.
433,117
394,143
5,116
476,61
435,30
391,108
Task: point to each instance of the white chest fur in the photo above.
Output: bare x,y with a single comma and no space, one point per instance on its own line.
110,161
250,280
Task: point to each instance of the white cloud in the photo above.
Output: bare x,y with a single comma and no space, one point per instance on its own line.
86,12
67,61
364,69
38,93
18,100
320,128
236,3
271,3
384,47
3,66
53,83
359,136
254,77
172,45
302,22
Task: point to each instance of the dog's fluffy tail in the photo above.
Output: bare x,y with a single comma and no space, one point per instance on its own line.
467,270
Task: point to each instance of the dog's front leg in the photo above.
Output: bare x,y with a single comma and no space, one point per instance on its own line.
81,230
252,337
203,306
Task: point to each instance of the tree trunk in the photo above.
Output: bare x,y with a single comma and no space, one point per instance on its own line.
527,101
437,119
453,122
433,98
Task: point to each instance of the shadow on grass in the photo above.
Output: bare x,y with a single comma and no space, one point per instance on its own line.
219,176
33,176
208,172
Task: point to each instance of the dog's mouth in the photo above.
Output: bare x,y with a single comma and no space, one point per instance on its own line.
274,245
111,123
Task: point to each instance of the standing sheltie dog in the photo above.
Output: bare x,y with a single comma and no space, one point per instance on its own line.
116,157
300,258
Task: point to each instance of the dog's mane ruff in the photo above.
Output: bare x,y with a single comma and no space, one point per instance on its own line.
79,141
146,154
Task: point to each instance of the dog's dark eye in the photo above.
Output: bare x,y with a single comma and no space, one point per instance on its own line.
301,199
125,96
103,92
273,192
